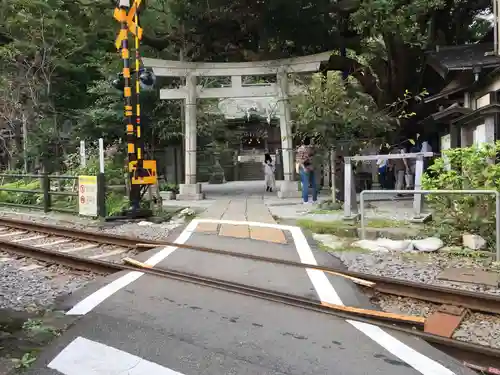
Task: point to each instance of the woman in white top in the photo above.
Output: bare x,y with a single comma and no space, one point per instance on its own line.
269,170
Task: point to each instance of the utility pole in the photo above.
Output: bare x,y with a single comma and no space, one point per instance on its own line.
142,173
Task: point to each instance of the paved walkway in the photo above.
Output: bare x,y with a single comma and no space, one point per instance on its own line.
138,324
241,209
288,208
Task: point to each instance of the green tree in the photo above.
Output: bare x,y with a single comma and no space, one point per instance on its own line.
391,36
331,110
57,56
49,59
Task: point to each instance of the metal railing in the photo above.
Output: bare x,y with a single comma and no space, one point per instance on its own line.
45,192
350,204
438,192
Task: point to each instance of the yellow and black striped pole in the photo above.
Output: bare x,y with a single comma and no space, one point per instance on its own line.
128,16
127,89
129,114
138,102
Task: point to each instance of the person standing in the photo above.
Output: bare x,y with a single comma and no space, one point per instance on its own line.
269,170
382,172
401,169
306,170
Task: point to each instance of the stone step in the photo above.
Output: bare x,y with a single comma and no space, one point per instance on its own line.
251,171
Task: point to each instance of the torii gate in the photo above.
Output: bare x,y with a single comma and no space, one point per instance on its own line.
191,190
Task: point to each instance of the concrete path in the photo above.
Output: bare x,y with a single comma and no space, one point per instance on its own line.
138,324
379,207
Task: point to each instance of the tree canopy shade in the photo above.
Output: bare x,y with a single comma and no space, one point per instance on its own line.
391,34
57,56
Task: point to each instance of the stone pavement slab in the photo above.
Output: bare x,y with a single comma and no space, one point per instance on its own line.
251,208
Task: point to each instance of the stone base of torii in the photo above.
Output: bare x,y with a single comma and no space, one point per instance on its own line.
191,92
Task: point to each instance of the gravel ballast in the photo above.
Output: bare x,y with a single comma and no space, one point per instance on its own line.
37,288
139,229
477,328
415,267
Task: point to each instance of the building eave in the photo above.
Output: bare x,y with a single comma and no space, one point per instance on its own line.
478,114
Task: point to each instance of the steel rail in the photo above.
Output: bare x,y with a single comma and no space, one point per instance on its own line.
64,259
107,239
103,267
469,353
431,293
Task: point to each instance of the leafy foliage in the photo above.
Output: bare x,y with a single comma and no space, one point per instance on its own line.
331,111
459,169
57,58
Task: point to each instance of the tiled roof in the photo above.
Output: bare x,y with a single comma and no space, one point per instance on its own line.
465,56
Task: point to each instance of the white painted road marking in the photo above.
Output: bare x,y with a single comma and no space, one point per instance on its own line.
87,357
323,287
327,293
90,302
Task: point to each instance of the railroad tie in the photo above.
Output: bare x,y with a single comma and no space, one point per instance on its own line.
30,238
12,234
64,240
80,248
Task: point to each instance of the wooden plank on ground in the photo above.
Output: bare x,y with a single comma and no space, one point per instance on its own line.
207,227
258,212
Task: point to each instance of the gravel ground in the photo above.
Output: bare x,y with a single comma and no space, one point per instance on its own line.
155,232
131,229
36,288
476,328
416,267
39,288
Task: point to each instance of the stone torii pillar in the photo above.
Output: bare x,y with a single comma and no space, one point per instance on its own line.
288,187
190,189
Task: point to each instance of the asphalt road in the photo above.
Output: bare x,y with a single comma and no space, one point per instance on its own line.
190,330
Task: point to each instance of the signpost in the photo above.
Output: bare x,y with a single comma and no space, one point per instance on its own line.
87,195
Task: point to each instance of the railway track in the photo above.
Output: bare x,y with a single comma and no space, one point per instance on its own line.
474,356
87,244
126,246
486,360
481,302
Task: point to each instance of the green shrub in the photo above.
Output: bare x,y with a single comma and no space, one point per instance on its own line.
471,168
164,186
115,203
21,198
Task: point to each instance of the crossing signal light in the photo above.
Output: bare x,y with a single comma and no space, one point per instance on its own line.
147,80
